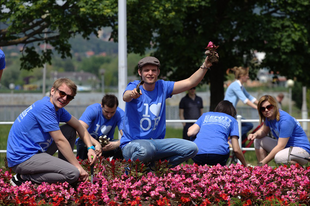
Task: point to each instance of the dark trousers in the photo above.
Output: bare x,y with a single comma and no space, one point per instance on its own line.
82,152
185,129
245,128
211,159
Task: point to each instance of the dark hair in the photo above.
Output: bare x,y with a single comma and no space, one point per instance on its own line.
273,102
226,107
109,100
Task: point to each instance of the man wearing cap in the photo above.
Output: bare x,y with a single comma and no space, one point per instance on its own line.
145,116
190,107
2,62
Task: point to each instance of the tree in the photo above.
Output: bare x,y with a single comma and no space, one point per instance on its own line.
53,22
179,30
93,64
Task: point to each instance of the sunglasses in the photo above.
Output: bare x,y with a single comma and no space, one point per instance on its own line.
63,94
268,107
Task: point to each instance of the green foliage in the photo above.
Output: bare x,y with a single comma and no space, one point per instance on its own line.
80,45
297,94
11,75
62,65
176,31
32,24
180,31
4,131
287,50
93,64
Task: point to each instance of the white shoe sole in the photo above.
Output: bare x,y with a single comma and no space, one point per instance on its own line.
12,182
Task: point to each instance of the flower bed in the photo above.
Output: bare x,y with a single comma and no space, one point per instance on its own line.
182,185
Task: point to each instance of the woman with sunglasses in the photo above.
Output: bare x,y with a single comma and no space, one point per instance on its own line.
291,144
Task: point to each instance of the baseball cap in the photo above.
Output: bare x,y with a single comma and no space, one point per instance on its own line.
148,60
2,60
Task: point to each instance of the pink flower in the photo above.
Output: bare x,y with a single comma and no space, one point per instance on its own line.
210,45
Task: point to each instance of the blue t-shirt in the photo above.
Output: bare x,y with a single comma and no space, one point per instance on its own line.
145,117
215,128
98,125
236,92
29,134
288,126
2,60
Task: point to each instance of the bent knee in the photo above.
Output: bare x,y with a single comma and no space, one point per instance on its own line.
257,144
190,151
143,154
143,151
281,158
73,176
193,150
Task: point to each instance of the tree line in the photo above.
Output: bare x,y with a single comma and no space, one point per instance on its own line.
176,31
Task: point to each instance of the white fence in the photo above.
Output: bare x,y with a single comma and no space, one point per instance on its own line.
239,120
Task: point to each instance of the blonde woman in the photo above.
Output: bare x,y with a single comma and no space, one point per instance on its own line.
236,92
291,144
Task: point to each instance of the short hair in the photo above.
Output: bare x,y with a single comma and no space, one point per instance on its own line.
66,81
109,100
226,107
273,102
281,95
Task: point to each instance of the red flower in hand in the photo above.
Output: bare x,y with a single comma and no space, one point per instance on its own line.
211,52
211,45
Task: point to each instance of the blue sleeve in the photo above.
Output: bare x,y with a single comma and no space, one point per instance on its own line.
234,128
132,85
47,119
121,119
286,126
2,60
89,115
234,93
200,120
170,88
65,116
239,92
250,97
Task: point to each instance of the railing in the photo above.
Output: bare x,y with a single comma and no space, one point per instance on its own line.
239,120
